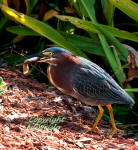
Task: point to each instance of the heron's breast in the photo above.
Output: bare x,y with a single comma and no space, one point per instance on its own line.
60,78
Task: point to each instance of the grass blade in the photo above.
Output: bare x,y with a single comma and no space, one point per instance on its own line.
1,80
21,30
112,61
132,90
3,21
108,10
89,6
42,28
114,41
83,43
86,44
2,85
129,7
1,91
89,26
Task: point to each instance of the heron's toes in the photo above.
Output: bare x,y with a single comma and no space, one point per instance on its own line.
114,130
86,127
96,129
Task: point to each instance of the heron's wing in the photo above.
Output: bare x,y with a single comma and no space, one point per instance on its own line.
92,81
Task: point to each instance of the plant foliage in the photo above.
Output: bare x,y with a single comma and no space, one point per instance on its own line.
1,86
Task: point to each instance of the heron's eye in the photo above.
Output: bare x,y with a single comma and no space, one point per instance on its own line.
48,53
51,53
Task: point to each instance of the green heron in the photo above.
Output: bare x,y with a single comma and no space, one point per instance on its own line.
83,80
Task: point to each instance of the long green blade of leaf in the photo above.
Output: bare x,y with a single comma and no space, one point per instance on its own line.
41,28
89,6
3,22
0,80
2,85
132,90
78,6
115,42
30,5
112,61
83,43
86,44
21,30
1,91
89,26
108,10
129,7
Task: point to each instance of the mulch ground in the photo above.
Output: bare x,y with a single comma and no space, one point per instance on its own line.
25,98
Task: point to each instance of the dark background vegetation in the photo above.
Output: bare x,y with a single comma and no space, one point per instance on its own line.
15,46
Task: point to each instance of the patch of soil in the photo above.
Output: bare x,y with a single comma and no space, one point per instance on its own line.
25,98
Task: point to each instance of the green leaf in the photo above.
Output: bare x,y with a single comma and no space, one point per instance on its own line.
1,80
30,5
89,26
42,28
2,85
114,41
21,30
108,10
1,91
89,6
112,61
131,90
86,44
3,21
121,33
79,7
129,7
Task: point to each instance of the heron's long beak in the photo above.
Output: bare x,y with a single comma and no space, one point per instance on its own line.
32,60
42,57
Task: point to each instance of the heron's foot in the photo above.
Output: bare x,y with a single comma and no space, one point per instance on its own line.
115,130
86,127
91,129
96,129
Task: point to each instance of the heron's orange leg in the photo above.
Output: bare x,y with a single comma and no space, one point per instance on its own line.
101,111
114,129
95,128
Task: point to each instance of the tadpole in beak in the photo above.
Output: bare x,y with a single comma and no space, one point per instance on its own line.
29,60
41,57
